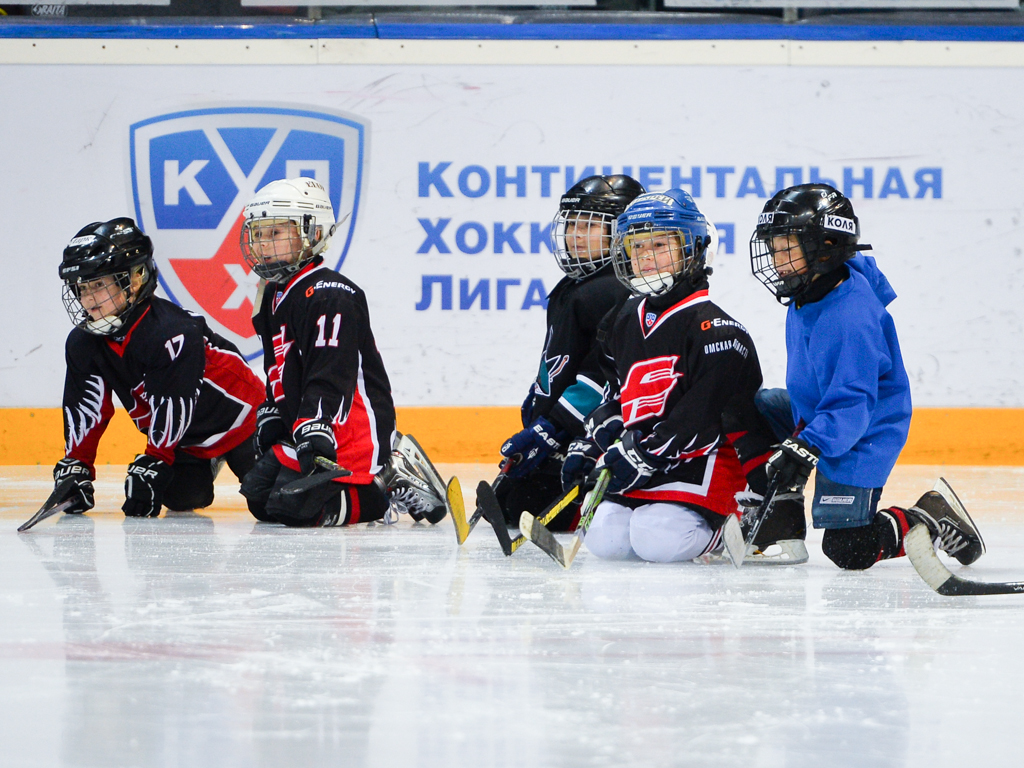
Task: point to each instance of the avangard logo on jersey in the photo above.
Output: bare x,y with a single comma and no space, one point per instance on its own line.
193,171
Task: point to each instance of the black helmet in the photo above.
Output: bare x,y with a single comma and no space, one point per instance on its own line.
816,217
588,209
117,249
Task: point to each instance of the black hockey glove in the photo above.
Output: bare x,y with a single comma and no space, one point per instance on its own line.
312,439
144,486
793,462
604,424
270,429
533,445
82,491
580,459
630,465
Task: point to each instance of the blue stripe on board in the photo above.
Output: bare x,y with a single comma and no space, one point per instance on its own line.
435,31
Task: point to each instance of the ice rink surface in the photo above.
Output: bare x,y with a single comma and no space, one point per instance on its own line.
212,640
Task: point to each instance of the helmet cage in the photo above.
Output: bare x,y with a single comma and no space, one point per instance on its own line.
111,291
822,251
276,257
581,241
684,257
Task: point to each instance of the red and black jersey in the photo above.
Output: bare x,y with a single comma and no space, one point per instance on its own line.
570,381
684,375
322,363
184,386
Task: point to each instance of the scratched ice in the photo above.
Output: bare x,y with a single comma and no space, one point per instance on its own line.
211,640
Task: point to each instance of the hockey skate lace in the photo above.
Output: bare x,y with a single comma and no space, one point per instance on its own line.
951,539
405,501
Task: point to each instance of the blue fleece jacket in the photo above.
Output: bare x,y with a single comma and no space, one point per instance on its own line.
846,378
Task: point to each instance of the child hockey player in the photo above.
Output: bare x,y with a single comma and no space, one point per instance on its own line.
327,394
186,388
569,382
846,383
679,405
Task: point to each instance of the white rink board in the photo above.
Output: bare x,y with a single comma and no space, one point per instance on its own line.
956,261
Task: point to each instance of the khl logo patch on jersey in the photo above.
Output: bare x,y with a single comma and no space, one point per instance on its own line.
193,172
649,319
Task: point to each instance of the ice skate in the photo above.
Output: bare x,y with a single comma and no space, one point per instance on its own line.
412,484
951,527
780,540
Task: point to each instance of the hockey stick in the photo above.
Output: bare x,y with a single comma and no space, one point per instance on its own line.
921,551
735,544
332,471
50,506
492,512
457,505
534,530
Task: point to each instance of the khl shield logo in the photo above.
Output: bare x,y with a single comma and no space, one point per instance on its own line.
194,171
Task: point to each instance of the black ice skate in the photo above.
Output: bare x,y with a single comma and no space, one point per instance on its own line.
951,527
412,484
780,539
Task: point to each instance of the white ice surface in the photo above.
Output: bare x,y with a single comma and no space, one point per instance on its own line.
212,640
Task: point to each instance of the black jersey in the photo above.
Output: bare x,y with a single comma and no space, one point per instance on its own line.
570,381
684,375
322,363
184,386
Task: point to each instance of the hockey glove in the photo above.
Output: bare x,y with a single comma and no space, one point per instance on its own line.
604,424
82,491
312,439
270,429
630,465
533,445
144,486
580,459
792,462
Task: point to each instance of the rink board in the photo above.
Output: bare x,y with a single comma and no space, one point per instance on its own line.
466,146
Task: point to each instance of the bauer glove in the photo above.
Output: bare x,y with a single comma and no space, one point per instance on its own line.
144,486
604,424
81,491
270,429
313,439
792,464
580,459
630,465
533,445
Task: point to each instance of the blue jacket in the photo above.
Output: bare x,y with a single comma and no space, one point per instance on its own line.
846,378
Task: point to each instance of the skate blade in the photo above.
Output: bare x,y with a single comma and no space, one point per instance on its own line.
945,490
782,552
732,537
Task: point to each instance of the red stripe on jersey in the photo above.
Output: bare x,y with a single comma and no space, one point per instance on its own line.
719,494
694,298
229,373
120,346
755,462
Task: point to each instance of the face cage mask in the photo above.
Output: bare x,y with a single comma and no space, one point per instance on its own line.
763,263
577,252
652,283
117,294
274,259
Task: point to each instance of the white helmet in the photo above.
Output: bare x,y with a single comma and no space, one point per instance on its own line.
286,224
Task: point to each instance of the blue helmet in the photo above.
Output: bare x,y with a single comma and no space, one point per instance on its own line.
661,238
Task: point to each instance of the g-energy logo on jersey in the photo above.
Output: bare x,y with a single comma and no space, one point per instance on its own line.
840,224
193,171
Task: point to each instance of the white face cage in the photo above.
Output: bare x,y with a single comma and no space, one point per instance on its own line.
649,259
96,305
277,247
581,241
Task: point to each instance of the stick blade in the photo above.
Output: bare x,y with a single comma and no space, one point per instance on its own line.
732,537
488,503
921,551
534,531
457,510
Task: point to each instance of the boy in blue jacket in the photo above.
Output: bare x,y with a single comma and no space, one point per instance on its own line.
846,408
